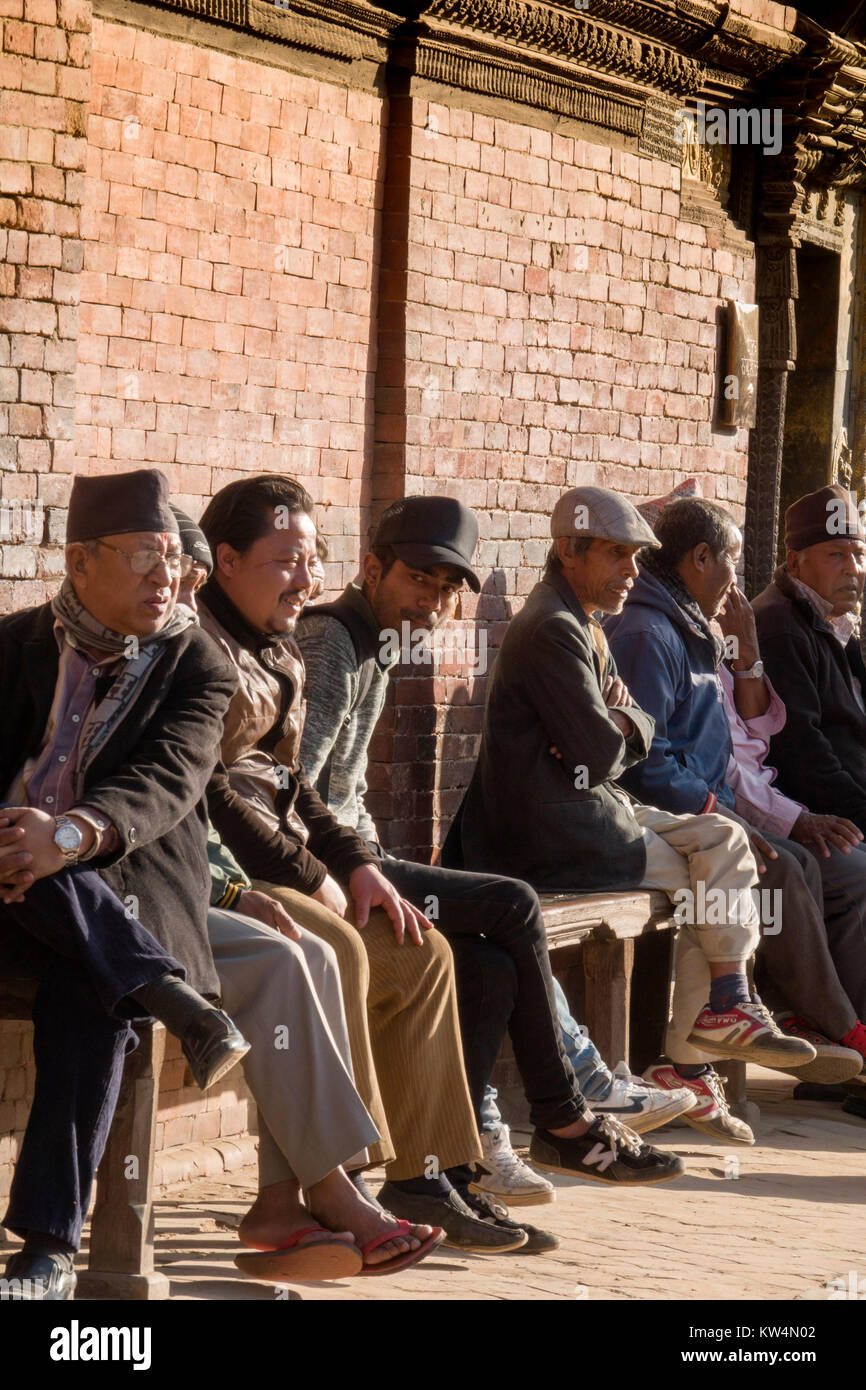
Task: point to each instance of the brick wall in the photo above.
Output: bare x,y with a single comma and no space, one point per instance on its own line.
548,319
44,88
229,269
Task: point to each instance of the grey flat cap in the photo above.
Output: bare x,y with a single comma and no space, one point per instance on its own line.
596,511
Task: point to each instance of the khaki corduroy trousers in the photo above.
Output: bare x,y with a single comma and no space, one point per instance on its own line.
404,1034
700,854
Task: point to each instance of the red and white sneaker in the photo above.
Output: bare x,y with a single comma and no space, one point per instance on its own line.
833,1063
748,1033
710,1114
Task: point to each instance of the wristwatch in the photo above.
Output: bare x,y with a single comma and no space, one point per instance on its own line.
752,673
68,839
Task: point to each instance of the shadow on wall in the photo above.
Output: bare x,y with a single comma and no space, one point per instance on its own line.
426,742
460,718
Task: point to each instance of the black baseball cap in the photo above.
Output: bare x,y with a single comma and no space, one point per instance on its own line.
429,531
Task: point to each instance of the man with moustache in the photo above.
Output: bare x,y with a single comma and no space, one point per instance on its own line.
282,985
397,975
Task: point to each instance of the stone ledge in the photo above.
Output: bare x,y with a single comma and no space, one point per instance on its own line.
189,1162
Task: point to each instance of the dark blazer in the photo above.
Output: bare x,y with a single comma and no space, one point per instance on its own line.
149,778
523,814
821,752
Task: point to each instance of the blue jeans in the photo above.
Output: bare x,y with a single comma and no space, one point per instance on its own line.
593,1077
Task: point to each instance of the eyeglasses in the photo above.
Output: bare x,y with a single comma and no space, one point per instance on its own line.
143,561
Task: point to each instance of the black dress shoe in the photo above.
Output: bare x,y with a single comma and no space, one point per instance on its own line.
212,1045
486,1206
463,1229
33,1276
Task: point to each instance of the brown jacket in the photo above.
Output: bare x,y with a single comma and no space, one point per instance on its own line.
260,802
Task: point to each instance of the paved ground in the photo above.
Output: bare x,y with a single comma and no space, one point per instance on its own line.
772,1222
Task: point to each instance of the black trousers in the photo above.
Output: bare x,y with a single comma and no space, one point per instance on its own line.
485,918
75,937
816,964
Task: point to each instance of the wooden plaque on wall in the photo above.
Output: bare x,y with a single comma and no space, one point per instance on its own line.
738,403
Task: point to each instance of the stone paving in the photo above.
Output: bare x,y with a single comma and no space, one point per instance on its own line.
772,1222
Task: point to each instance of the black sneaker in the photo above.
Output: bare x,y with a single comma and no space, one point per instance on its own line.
489,1209
607,1152
463,1229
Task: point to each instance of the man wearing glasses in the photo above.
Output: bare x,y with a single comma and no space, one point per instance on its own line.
113,704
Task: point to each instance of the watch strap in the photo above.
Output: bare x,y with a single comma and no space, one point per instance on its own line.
753,672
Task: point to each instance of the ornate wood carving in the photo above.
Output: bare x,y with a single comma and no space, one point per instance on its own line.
776,281
531,82
341,27
575,38
658,130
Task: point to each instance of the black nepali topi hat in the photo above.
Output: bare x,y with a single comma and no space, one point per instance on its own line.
118,503
429,531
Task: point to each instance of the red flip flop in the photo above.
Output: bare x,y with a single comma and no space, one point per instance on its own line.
411,1257
311,1263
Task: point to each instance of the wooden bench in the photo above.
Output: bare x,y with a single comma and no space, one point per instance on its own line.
596,942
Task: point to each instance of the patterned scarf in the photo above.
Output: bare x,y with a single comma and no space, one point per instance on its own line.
670,580
81,629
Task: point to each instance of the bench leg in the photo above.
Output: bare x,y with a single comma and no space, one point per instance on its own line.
121,1230
734,1074
607,966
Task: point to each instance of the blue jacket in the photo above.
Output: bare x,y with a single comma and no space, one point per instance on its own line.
668,664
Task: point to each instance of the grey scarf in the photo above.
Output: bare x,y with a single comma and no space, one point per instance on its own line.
81,629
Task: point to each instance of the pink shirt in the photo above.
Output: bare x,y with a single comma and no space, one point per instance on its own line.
749,778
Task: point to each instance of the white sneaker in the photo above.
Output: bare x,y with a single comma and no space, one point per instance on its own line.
502,1174
639,1104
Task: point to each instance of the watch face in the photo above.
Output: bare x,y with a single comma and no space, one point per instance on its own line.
758,668
68,837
